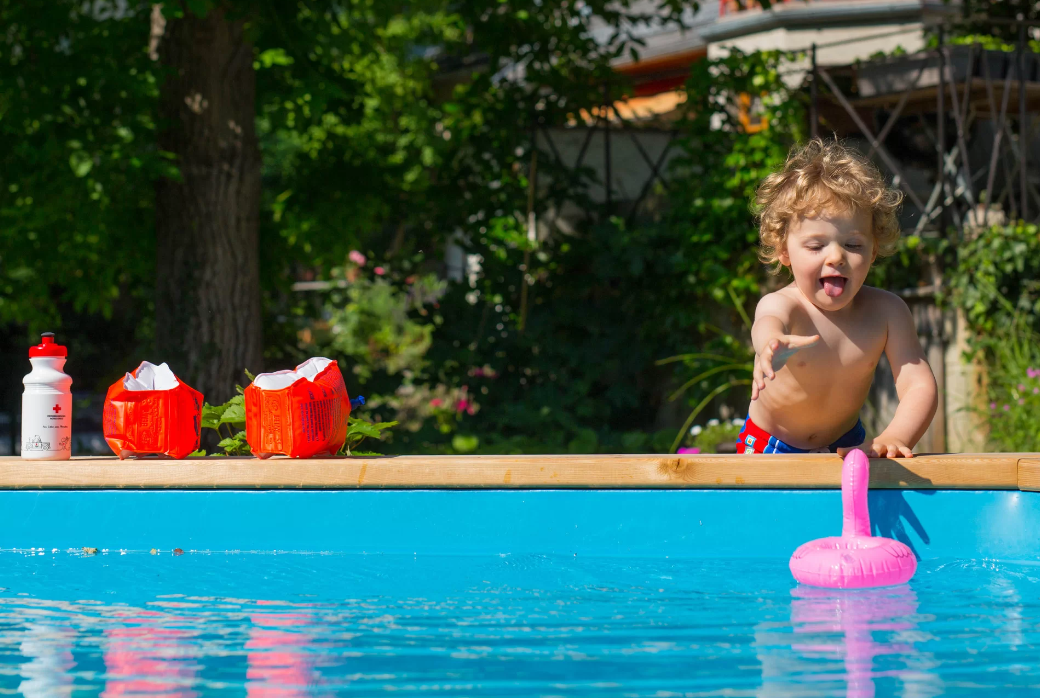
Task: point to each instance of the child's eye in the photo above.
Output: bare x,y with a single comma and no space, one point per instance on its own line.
853,245
815,248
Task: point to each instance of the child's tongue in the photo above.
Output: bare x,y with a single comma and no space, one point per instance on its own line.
833,285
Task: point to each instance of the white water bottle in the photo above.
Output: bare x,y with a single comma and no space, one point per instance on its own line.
47,403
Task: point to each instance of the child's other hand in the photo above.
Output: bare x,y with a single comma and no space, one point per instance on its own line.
883,446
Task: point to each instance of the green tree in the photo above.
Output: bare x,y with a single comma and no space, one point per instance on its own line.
77,156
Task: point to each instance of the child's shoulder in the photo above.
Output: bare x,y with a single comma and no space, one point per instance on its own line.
885,306
783,301
874,298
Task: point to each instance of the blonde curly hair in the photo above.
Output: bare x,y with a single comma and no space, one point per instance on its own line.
817,176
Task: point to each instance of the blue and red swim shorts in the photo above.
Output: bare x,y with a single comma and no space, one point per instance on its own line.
753,439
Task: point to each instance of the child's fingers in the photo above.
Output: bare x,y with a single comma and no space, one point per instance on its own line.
892,451
767,360
758,382
795,341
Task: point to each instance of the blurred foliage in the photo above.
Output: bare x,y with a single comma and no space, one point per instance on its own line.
77,157
996,278
1013,387
715,435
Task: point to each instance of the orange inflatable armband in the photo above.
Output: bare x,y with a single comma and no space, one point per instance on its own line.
150,411
301,413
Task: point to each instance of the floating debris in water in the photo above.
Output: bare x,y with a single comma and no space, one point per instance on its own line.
89,551
153,551
178,551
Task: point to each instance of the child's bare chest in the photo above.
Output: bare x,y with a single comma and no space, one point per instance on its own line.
852,345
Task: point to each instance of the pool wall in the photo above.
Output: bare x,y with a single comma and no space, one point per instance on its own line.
674,523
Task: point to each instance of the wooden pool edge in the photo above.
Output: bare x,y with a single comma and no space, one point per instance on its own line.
961,471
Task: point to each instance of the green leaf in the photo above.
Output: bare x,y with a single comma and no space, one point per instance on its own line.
211,415
274,56
81,163
363,429
465,444
235,411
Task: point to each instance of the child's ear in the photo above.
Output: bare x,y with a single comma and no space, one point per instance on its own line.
782,255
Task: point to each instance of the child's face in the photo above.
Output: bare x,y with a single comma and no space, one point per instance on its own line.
830,255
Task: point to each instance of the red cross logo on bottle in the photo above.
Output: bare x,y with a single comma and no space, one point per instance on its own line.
57,409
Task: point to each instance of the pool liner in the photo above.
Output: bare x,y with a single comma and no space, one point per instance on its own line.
152,412
301,413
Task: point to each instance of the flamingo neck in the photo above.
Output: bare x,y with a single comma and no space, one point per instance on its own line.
855,478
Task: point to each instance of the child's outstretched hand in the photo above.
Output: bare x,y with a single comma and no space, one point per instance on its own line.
775,356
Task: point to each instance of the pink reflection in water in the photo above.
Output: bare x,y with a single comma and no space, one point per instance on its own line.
279,664
145,656
857,614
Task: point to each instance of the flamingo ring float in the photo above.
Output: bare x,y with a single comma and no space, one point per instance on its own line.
855,559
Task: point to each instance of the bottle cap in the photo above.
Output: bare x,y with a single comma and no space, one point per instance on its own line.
47,347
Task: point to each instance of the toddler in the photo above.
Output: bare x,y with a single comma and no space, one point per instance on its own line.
826,216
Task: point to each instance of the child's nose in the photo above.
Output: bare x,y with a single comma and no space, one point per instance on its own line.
835,255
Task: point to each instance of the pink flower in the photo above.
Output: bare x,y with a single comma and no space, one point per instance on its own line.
1021,401
379,271
1007,407
993,405
1021,387
462,405
357,258
471,410
689,451
435,402
1036,391
1032,372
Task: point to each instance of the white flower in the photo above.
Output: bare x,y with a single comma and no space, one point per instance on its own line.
697,429
738,422
713,422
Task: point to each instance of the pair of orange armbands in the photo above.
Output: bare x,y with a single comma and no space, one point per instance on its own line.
301,413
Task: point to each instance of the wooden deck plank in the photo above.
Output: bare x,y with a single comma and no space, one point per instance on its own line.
1029,473
940,471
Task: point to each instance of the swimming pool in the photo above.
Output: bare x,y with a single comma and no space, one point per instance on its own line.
642,592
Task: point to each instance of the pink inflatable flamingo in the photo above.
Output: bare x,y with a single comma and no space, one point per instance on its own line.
856,559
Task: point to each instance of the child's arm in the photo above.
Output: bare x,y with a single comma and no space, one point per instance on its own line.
773,345
915,385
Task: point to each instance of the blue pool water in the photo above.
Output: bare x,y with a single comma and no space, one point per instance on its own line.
299,624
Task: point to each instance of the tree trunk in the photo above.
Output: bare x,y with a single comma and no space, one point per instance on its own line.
208,324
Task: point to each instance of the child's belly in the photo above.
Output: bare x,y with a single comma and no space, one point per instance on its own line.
809,413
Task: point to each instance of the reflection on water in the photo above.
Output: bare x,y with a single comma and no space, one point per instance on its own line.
48,653
145,653
279,664
859,626
305,625
849,643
